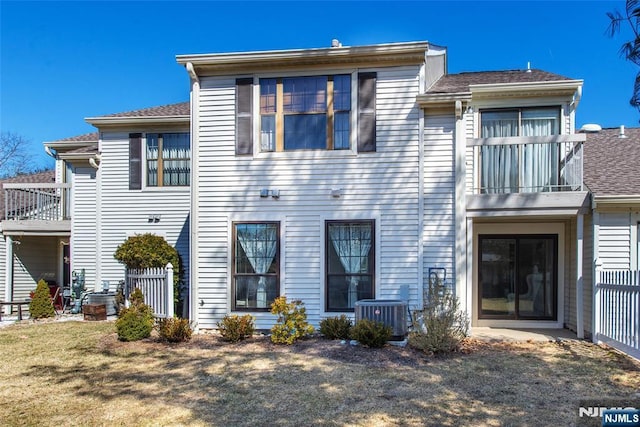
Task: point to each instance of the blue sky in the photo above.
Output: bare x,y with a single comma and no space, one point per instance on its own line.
63,61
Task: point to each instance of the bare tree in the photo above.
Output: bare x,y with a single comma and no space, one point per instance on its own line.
14,155
630,50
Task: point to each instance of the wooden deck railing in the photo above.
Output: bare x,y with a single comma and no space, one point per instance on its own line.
39,201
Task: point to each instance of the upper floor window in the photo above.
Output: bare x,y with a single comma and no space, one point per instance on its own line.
520,122
305,113
167,159
517,166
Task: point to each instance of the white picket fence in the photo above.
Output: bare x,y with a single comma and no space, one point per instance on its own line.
617,310
156,285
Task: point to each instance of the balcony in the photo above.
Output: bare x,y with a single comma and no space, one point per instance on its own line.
524,173
39,208
527,164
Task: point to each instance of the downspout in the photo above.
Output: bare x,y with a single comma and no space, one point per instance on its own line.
193,214
421,196
95,161
98,199
460,246
51,152
576,99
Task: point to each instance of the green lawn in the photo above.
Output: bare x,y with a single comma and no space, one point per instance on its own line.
78,373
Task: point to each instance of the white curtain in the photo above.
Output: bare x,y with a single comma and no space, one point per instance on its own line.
352,243
499,172
259,242
539,161
525,168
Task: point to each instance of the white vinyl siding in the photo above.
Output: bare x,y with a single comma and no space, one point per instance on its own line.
34,257
615,240
470,160
571,273
83,224
2,269
439,196
126,212
382,186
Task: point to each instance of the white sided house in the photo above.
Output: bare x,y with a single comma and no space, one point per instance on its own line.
347,173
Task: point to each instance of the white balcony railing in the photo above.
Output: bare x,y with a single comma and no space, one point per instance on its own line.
527,164
39,201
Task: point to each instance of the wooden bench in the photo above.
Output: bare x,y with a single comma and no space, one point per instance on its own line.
12,303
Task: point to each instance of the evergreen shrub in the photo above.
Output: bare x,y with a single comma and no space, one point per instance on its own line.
235,328
135,322
336,327
370,333
41,306
292,321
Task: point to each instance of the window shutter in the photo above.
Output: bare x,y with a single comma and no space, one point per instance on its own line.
244,123
366,112
135,161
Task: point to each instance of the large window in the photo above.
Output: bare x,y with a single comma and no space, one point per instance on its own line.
510,168
517,276
256,265
305,113
167,157
350,249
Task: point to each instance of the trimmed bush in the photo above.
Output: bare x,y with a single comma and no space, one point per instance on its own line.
440,326
370,333
236,328
336,327
292,321
150,251
41,306
174,329
136,322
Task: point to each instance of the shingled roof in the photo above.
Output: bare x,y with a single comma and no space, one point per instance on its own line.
611,162
179,109
87,137
32,178
460,82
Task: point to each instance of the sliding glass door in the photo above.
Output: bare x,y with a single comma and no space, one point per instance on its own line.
517,276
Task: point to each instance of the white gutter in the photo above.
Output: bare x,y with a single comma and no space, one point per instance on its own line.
616,200
323,54
132,120
528,86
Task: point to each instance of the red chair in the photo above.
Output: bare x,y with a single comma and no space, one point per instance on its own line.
56,298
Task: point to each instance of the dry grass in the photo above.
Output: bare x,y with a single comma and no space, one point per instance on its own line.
77,373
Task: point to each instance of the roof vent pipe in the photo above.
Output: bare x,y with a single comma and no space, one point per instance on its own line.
621,134
336,43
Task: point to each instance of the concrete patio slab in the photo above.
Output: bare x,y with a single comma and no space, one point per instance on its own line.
503,334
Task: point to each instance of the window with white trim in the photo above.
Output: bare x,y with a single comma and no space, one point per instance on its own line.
350,255
168,159
306,113
256,265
